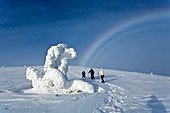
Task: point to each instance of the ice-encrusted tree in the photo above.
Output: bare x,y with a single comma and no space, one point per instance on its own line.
56,68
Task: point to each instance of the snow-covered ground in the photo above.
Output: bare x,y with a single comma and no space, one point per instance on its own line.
125,92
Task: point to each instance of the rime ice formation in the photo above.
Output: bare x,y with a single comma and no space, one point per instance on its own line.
55,78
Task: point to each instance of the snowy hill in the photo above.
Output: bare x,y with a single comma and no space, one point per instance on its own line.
125,92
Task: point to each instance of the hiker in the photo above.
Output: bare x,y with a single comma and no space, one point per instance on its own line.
101,73
92,74
83,74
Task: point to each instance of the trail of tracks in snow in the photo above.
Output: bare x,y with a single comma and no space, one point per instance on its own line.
114,100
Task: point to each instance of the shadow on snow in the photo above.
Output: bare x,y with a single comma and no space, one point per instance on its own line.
156,105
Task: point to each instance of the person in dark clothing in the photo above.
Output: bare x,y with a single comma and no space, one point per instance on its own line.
83,74
92,74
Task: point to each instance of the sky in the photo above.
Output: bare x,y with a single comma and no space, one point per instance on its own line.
129,35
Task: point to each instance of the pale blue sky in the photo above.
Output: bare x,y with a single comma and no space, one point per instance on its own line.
29,27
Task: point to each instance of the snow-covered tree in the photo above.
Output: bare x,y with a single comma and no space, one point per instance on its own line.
56,68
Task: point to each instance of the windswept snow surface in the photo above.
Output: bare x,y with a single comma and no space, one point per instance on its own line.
123,92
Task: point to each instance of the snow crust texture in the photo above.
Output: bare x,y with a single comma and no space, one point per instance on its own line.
115,100
122,92
54,79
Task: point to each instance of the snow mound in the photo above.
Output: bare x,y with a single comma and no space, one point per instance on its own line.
55,78
79,85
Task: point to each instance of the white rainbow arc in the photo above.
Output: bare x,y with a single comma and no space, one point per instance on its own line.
121,27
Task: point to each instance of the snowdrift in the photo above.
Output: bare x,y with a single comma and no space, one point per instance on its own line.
55,80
